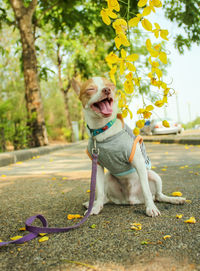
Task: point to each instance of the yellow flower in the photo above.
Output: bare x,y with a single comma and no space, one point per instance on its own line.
113,4
179,216
145,112
128,86
136,131
121,39
165,123
177,194
156,3
120,25
147,25
112,74
112,58
163,57
134,21
137,81
192,220
140,123
157,30
147,10
124,61
124,113
159,103
164,34
129,76
106,13
149,107
142,3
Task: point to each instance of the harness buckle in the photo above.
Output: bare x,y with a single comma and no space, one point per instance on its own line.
95,149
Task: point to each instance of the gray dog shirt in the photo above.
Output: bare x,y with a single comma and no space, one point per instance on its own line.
116,152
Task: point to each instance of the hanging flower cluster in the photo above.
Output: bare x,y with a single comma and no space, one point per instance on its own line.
125,63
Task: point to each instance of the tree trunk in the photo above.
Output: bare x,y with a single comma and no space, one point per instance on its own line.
36,123
65,94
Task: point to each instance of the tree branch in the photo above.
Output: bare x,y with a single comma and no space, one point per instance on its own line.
46,10
32,6
17,7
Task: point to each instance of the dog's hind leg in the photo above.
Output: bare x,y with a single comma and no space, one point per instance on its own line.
159,196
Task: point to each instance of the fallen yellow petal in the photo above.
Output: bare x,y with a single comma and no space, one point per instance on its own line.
42,234
16,237
179,216
163,169
166,236
88,191
177,194
22,229
70,216
136,226
64,178
43,239
153,167
192,220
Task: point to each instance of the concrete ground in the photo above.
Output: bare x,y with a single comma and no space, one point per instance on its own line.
56,185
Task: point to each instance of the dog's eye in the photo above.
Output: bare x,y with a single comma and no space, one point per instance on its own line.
90,90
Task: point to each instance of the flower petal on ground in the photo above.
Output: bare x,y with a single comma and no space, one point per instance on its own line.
136,226
166,236
177,194
71,216
191,220
43,239
16,237
179,216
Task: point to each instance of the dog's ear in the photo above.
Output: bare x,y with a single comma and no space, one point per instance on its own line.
76,86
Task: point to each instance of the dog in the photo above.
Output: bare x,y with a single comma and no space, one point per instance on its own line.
129,179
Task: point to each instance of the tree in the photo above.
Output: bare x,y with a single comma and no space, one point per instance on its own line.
186,14
36,123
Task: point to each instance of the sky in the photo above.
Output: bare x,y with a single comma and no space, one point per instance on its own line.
184,73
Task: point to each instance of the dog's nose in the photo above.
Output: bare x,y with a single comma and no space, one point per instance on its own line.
106,90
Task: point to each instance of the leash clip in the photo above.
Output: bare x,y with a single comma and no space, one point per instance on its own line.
95,149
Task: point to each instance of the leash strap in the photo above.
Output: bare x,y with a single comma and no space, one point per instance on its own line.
34,231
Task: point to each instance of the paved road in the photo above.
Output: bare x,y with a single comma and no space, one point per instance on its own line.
56,185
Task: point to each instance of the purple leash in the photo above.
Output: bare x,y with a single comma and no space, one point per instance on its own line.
34,231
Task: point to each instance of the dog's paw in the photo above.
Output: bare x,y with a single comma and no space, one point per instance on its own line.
96,209
179,200
86,204
152,210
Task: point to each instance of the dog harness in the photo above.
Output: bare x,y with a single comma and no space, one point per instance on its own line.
116,152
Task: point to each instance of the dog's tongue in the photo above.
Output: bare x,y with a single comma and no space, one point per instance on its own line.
105,107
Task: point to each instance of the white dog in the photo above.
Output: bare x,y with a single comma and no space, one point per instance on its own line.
129,179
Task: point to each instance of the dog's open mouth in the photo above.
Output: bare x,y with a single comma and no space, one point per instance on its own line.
104,106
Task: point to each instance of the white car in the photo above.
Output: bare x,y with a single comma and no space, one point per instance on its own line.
158,129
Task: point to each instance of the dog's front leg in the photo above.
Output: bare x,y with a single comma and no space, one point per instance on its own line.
139,163
98,203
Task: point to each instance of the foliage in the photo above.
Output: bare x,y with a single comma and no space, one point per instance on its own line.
124,61
186,14
191,125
